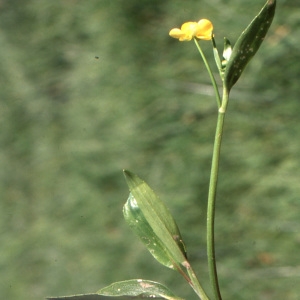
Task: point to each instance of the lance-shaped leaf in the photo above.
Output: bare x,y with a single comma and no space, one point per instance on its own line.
139,289
126,290
138,223
87,297
154,224
102,297
248,43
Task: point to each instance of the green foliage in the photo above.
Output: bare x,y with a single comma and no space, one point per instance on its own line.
137,221
138,287
69,124
126,290
248,43
151,220
148,216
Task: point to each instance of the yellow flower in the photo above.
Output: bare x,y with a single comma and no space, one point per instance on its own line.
201,30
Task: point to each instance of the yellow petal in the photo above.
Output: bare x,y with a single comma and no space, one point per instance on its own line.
190,29
204,30
176,33
201,30
179,34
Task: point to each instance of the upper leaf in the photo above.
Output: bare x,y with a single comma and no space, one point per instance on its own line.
248,43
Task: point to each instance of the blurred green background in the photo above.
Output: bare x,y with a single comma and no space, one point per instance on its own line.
71,122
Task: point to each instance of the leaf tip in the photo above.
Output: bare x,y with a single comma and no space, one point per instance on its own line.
128,175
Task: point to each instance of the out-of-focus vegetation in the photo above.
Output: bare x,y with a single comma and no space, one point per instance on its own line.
70,122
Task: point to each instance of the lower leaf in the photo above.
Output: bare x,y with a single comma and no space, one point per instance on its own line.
139,289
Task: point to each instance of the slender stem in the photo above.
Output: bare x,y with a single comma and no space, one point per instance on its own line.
212,78
212,198
192,280
195,284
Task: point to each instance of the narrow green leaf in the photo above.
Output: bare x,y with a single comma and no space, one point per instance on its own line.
248,43
158,217
88,297
126,290
138,288
138,223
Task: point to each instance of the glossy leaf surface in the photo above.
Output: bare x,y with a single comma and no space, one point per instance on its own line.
138,288
156,219
248,43
138,223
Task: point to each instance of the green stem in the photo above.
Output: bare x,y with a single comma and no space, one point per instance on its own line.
212,78
195,284
212,197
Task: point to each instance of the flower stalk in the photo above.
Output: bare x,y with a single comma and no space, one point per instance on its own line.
211,203
211,76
